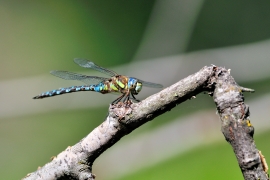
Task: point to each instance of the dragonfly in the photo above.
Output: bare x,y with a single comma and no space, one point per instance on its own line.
126,86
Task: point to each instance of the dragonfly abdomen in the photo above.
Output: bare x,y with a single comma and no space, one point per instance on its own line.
98,88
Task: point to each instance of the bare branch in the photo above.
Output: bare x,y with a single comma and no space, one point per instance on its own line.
236,126
76,161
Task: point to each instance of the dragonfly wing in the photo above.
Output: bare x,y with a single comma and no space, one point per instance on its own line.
80,77
150,84
89,64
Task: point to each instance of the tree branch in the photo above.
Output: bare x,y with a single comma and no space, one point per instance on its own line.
76,161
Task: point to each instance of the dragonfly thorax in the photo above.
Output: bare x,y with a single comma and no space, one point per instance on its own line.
134,85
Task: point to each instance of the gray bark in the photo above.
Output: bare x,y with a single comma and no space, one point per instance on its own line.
76,161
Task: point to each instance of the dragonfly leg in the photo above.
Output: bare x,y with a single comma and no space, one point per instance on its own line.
118,99
135,98
126,97
127,100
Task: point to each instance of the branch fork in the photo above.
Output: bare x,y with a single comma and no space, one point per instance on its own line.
76,161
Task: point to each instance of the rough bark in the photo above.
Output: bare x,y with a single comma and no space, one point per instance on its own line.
76,161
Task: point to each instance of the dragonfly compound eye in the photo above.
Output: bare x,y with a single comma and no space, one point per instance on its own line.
138,87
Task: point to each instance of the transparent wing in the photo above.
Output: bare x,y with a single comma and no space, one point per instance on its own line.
89,64
150,84
80,77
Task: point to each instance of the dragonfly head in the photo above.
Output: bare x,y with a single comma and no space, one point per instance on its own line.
134,85
138,87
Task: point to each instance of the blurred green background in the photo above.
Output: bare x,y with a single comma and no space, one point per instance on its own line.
155,40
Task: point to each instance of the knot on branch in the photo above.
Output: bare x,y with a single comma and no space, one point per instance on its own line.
121,110
227,93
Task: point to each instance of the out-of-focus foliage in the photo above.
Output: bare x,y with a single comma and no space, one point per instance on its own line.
227,23
165,41
206,162
38,35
